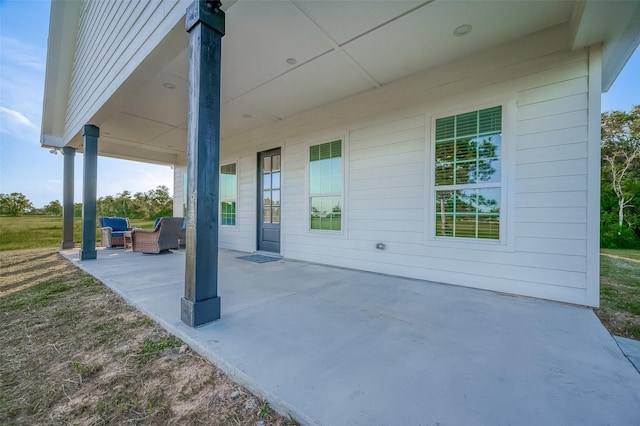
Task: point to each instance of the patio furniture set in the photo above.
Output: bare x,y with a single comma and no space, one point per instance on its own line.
168,233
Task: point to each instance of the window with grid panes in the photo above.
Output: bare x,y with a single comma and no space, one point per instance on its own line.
325,186
468,175
228,194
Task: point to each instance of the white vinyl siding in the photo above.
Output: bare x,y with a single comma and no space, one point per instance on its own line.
388,175
113,39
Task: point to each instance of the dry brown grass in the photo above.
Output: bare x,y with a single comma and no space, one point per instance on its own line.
73,352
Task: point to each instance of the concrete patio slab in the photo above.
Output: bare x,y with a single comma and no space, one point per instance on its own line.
631,349
342,347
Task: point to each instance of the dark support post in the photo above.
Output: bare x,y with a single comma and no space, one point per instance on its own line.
67,198
205,24
89,185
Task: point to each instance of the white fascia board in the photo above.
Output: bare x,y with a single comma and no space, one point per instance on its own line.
63,33
50,141
615,25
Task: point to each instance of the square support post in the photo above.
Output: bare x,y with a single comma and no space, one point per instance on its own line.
205,24
67,198
89,186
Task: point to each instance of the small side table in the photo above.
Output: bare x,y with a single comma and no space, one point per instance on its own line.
128,240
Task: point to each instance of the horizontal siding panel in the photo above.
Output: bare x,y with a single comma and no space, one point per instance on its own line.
380,195
570,231
552,215
414,146
430,255
387,214
435,253
552,184
386,128
396,225
527,288
399,160
557,90
575,102
552,153
407,169
386,139
398,203
553,137
552,168
552,245
386,182
552,199
479,269
553,122
387,236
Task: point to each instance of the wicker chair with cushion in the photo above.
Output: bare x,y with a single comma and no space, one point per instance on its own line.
112,231
163,237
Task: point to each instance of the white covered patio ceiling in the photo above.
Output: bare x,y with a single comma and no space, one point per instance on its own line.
284,57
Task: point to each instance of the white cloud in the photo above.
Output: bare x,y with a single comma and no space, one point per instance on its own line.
16,117
22,89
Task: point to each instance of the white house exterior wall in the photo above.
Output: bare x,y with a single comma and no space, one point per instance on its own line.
387,136
113,39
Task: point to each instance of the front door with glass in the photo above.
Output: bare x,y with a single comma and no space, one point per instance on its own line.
269,208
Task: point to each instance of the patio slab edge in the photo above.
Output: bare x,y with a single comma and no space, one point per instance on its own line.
631,349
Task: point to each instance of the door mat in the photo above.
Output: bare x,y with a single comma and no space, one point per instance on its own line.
258,258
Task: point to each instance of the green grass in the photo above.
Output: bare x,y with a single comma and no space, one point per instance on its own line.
629,254
29,232
153,346
326,224
620,292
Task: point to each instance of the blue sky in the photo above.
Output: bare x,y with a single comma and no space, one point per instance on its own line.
26,167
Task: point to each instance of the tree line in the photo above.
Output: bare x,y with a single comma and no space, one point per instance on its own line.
141,205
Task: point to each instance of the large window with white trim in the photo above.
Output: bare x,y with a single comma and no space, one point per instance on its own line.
468,174
325,186
228,194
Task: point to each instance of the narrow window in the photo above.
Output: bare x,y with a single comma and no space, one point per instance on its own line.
325,186
228,194
468,178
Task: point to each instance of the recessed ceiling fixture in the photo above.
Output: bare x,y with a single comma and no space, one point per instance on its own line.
462,30
292,61
247,115
168,85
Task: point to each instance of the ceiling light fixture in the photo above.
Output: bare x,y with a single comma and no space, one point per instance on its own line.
168,85
462,30
292,61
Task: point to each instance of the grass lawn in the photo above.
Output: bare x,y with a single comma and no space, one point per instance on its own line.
73,352
26,232
620,292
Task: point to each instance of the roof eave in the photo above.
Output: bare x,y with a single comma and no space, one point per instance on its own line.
615,25
63,31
